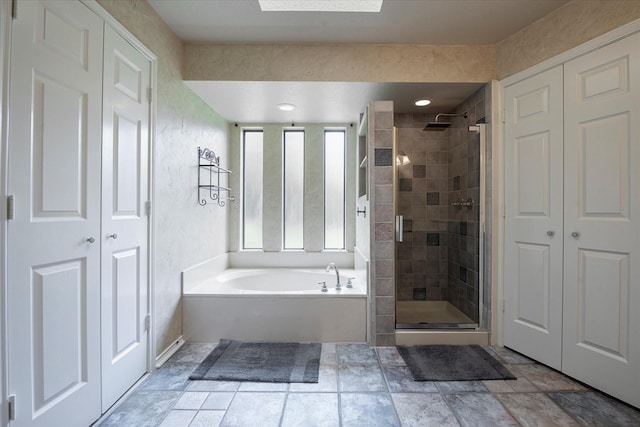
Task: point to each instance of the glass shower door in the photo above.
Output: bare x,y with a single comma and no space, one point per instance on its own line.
438,232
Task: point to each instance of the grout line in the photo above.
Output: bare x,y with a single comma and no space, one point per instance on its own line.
284,407
338,388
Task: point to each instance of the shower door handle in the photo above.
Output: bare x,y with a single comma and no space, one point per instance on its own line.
399,230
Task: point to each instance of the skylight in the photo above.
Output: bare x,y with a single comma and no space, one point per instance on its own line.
320,5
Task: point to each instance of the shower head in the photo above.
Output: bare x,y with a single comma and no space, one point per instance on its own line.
440,126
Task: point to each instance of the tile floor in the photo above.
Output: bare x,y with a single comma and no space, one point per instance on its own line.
364,386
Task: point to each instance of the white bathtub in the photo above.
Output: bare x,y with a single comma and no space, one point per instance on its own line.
275,305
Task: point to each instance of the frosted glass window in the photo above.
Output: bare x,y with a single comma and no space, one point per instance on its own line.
334,179
293,189
252,189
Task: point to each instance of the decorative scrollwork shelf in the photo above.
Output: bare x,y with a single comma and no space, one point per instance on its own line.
209,164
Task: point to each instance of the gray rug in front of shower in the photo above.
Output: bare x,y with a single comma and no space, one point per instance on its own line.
452,363
261,362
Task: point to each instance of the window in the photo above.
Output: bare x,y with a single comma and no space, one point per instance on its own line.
293,189
334,191
252,189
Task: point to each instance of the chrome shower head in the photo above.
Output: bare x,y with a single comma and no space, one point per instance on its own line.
437,126
440,126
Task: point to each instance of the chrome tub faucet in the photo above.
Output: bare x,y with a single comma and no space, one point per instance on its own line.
333,266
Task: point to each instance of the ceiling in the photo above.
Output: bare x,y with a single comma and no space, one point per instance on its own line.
399,22
322,102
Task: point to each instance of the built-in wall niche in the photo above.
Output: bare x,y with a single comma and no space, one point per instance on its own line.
362,155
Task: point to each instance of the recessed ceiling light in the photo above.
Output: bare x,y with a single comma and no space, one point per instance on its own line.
422,102
320,5
286,107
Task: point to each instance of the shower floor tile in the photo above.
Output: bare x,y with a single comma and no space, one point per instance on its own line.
364,386
413,312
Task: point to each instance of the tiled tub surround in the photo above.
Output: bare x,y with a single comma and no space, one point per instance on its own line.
362,386
438,259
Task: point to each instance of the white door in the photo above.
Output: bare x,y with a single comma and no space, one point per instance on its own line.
53,298
125,224
602,219
533,233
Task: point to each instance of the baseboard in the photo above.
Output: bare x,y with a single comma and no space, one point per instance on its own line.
169,351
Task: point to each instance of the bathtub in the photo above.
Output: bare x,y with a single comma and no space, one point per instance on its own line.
273,304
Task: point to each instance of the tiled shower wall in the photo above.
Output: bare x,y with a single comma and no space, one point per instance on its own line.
438,259
464,227
422,198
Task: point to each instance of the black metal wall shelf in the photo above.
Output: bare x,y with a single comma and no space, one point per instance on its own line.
209,164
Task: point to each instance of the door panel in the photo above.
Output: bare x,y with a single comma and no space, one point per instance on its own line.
59,149
53,295
58,293
533,296
533,197
602,249
58,32
604,181
606,334
127,331
125,224
532,166
126,176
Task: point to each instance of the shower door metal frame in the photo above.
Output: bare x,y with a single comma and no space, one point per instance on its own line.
481,324
482,130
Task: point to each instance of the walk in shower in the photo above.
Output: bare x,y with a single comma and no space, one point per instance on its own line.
439,204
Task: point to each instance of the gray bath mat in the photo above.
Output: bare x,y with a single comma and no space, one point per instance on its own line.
452,363
261,362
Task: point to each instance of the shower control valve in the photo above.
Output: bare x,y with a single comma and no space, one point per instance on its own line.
350,283
324,286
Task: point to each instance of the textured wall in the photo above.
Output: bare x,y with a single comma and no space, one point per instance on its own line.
186,233
567,27
343,63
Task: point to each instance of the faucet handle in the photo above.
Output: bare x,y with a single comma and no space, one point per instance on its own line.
324,286
349,282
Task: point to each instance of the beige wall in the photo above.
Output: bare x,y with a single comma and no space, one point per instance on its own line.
343,63
186,233
567,27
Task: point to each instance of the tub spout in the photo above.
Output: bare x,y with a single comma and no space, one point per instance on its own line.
333,266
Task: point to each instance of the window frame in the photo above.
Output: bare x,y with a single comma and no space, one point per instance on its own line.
284,183
244,169
326,131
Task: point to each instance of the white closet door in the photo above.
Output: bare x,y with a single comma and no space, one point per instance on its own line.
533,194
53,299
602,219
125,224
